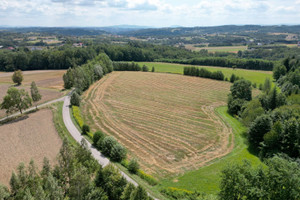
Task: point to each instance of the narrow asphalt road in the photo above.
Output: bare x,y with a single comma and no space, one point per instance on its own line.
78,137
102,160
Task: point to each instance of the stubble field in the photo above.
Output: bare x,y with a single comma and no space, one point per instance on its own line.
166,121
30,137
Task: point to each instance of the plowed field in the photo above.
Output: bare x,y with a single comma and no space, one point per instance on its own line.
167,121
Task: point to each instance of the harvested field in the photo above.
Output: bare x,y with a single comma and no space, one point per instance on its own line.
43,78
28,138
47,94
166,121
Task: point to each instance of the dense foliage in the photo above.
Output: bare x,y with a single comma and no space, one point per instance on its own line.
255,64
202,72
280,180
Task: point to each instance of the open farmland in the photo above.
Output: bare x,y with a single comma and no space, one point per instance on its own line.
31,137
167,121
230,49
43,78
49,82
255,76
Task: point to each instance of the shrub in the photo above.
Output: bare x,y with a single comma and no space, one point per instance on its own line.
77,116
107,145
85,129
133,166
153,69
148,178
118,152
125,163
98,138
145,68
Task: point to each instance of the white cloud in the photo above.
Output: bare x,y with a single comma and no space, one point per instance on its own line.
147,12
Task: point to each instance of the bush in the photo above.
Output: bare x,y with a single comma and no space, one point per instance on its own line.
235,105
85,129
118,152
148,178
145,68
153,69
75,99
77,116
107,145
259,128
98,138
133,166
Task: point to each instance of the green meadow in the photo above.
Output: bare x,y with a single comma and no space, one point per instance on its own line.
207,179
254,76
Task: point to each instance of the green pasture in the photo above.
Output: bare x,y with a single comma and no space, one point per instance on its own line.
254,76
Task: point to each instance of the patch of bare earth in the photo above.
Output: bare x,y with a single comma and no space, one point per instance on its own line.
33,137
166,121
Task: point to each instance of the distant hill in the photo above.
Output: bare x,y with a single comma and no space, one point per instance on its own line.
182,31
139,31
71,31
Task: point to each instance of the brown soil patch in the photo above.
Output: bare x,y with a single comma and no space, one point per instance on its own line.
43,78
34,138
47,94
166,121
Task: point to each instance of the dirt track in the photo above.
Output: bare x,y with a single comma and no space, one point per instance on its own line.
166,121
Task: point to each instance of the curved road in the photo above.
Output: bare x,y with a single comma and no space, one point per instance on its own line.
102,160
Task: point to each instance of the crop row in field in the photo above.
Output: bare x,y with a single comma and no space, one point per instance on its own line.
166,121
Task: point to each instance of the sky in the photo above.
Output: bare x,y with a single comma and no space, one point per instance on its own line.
154,13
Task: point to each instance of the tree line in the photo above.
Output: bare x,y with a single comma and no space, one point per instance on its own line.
68,57
202,72
254,64
273,132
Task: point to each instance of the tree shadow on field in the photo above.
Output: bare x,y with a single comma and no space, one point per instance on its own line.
15,120
252,149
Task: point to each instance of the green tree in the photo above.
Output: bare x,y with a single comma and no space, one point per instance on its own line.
241,89
17,77
252,110
153,69
68,79
127,191
145,68
278,71
16,100
118,152
267,85
259,128
4,192
85,129
35,94
75,99
139,194
98,138
107,145
133,166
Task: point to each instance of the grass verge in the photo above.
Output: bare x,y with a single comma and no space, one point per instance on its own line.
207,179
59,123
